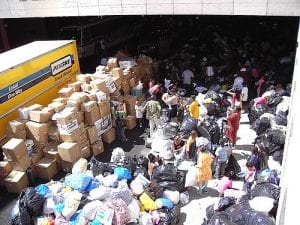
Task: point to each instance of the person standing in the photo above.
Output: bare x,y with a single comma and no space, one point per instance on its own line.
194,108
245,95
187,76
190,148
152,109
233,123
120,123
222,153
250,176
139,113
204,173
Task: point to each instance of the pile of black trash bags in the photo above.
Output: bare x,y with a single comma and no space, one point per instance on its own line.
269,122
230,211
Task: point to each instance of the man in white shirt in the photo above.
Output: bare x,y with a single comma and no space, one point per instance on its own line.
187,77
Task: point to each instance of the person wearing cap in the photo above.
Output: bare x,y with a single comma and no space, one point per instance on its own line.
204,173
190,147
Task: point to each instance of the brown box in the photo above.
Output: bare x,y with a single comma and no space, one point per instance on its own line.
51,151
99,84
83,144
92,117
117,82
46,168
65,117
132,82
97,148
53,134
92,134
60,100
73,137
5,167
57,106
104,108
16,181
19,135
69,151
15,126
15,149
109,136
65,92
22,164
74,103
76,86
130,122
39,116
49,110
88,106
35,107
112,63
85,152
83,78
117,72
67,166
36,129
36,156
79,116
86,87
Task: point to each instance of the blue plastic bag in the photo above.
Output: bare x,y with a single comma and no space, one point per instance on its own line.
165,203
42,189
123,173
78,181
92,185
58,208
77,218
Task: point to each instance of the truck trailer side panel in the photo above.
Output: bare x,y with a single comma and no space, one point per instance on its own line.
36,81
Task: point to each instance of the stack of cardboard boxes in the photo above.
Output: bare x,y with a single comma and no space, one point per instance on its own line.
72,126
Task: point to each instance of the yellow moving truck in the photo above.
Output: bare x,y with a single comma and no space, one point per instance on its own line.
34,73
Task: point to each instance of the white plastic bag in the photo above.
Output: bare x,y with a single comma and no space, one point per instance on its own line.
118,155
136,187
71,204
191,177
173,196
90,209
262,204
48,206
110,180
99,193
80,166
134,209
184,197
143,180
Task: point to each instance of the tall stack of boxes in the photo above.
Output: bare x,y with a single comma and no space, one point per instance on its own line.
72,126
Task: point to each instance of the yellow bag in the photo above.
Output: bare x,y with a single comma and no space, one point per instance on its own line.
147,202
207,101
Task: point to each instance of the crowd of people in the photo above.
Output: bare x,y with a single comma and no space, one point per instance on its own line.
247,71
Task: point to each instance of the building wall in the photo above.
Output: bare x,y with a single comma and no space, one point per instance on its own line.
52,8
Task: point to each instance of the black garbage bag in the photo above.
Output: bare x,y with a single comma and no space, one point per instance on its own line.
127,162
169,216
220,218
274,178
266,190
256,112
164,173
212,109
31,201
98,167
142,161
275,100
234,213
210,211
252,217
233,166
278,155
281,118
140,170
188,124
203,132
225,202
175,184
276,136
262,125
154,190
84,200
17,220
214,132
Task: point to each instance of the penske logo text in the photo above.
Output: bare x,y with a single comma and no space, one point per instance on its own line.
61,65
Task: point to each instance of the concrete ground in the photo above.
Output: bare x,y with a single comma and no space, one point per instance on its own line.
191,213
